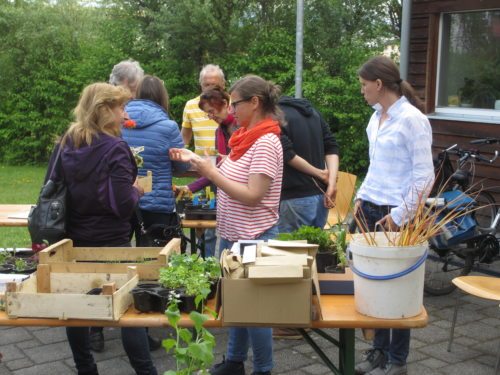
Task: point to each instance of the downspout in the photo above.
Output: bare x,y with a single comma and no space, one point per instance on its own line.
404,49
299,48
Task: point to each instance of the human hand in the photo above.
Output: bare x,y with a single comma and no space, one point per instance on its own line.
182,191
330,195
203,166
182,154
139,188
388,223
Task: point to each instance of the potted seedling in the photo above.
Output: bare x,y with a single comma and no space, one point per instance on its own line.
213,272
5,264
326,246
339,232
22,265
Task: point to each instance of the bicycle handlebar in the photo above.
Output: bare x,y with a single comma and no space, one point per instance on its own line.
466,154
485,141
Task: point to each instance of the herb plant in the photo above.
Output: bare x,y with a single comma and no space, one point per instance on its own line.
313,235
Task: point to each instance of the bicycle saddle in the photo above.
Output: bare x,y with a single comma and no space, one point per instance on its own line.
460,177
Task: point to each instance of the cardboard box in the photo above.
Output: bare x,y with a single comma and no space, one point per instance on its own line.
146,182
60,291
274,292
336,283
148,260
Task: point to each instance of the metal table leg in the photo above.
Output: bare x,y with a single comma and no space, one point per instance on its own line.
345,345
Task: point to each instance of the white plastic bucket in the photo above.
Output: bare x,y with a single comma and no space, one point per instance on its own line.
388,280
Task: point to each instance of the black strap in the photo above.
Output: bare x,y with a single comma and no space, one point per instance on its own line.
140,220
56,163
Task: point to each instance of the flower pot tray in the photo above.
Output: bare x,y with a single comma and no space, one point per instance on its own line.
200,213
62,291
336,283
148,260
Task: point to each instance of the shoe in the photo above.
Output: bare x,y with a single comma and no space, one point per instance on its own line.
372,359
96,341
286,334
228,368
389,369
154,344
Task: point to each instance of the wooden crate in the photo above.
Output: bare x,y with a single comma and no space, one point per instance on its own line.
112,259
60,291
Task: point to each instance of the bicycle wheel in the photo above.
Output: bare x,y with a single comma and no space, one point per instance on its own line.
441,267
485,212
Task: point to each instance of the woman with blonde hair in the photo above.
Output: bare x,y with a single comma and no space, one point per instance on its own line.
100,173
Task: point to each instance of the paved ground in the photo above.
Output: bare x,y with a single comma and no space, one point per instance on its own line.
44,351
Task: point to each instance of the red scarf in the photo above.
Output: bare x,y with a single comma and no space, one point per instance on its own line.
242,139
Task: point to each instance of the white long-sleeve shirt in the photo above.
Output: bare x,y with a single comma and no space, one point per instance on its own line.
401,167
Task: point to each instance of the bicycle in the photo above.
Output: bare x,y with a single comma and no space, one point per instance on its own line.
478,244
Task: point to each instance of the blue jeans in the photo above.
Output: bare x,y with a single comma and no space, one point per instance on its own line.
395,343
210,242
241,338
296,212
135,343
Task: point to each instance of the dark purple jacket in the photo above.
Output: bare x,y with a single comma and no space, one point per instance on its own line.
101,196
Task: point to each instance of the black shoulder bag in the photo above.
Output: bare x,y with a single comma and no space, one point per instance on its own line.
47,220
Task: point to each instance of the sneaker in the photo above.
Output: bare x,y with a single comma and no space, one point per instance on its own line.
372,359
96,341
154,344
389,369
228,368
286,334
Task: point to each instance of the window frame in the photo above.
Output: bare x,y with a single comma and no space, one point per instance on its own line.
458,113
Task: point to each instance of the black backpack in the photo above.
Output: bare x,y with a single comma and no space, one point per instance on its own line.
47,220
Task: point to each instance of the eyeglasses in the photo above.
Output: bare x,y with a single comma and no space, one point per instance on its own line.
234,104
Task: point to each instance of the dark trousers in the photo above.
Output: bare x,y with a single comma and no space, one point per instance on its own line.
395,343
135,343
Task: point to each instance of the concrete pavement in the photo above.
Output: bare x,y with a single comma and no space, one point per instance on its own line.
44,351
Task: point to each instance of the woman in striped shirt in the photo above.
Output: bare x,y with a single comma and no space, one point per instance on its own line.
249,182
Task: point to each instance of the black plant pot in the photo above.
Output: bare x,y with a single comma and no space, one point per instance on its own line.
144,296
161,299
6,268
323,260
213,289
187,304
334,269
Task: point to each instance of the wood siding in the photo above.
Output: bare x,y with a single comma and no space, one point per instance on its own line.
422,72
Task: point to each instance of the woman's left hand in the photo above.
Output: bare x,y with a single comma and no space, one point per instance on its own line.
182,154
388,223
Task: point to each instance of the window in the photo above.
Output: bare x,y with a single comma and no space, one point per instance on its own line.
469,64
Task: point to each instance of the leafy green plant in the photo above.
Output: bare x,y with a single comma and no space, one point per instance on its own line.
193,352
340,234
313,235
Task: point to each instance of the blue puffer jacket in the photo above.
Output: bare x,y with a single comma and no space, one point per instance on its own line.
158,134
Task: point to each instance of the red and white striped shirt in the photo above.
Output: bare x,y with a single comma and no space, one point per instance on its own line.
237,221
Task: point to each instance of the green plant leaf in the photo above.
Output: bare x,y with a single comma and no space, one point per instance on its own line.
185,335
168,344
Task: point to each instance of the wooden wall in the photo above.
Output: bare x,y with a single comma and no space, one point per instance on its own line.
422,75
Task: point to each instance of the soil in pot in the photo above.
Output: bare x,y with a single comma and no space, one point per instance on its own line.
325,259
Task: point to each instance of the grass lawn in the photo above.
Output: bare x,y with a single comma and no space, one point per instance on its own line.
21,185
